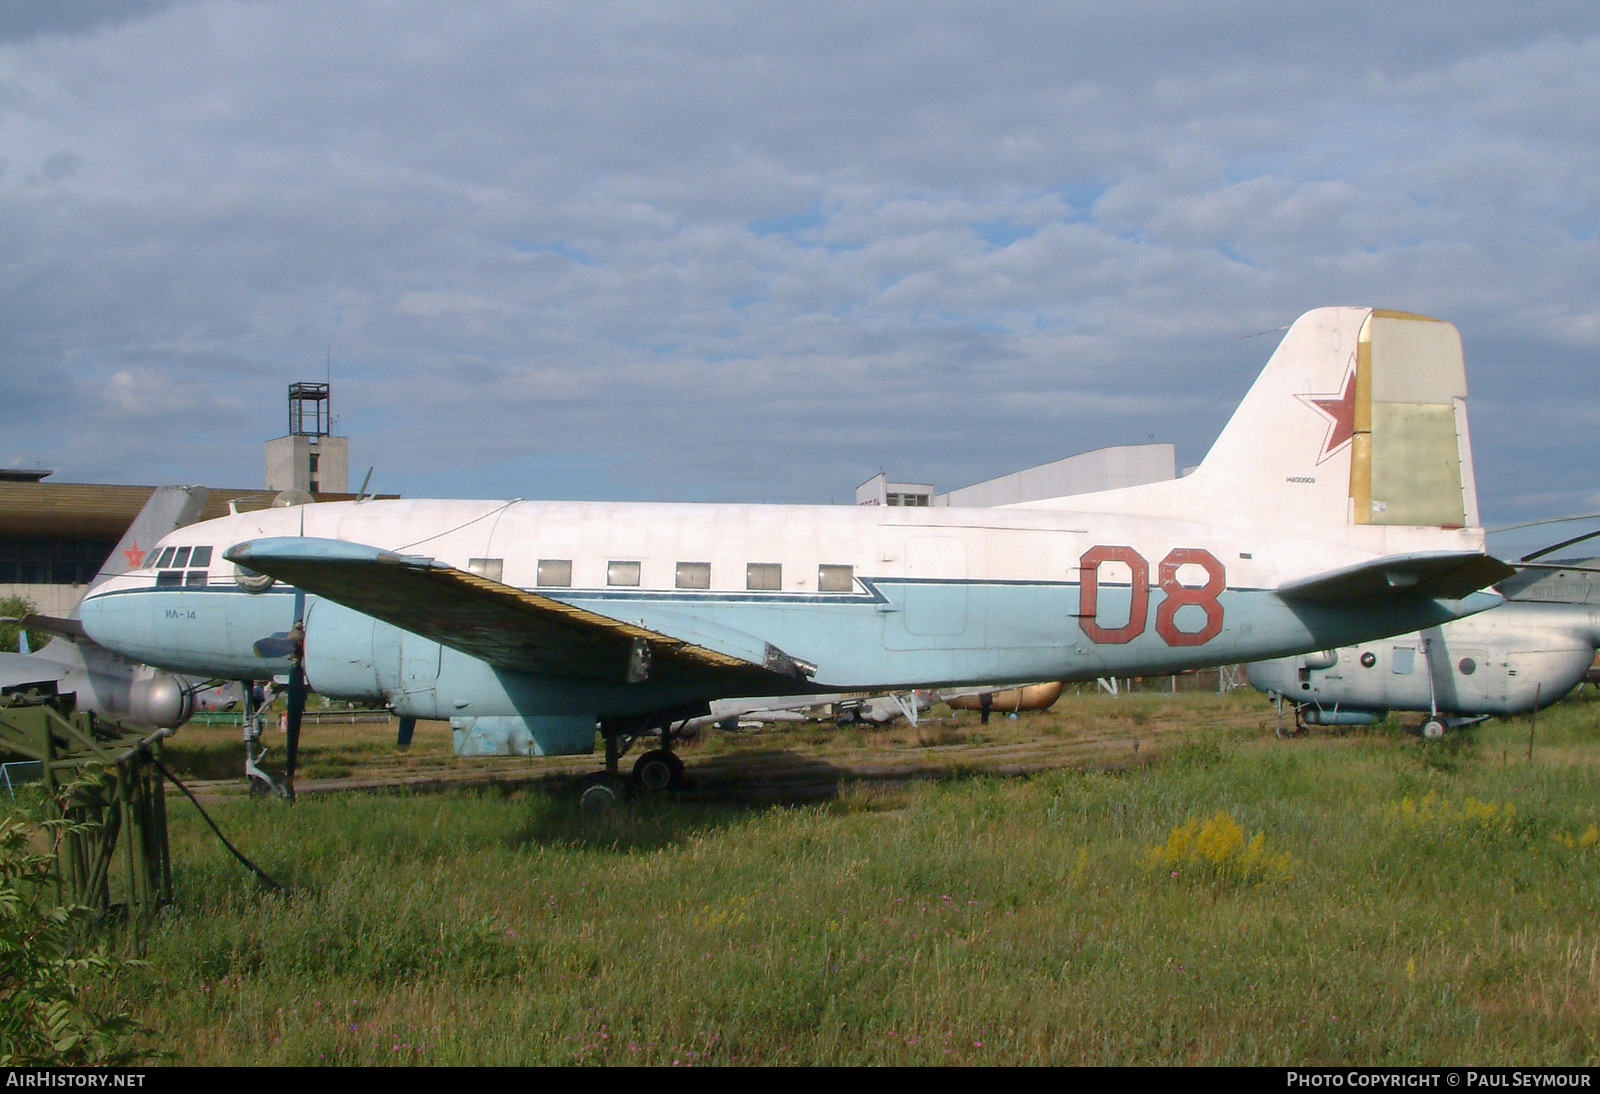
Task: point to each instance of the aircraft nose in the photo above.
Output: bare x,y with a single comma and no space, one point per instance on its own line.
107,622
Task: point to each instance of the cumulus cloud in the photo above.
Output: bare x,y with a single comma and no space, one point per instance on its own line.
738,251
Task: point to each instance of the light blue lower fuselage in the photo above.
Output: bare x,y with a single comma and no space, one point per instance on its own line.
898,633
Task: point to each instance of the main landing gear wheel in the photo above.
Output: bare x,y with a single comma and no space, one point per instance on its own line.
658,770
602,794
1433,729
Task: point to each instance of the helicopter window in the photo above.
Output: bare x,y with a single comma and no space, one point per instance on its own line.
1368,659
1467,666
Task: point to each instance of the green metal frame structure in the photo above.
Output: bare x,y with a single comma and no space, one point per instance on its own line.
105,778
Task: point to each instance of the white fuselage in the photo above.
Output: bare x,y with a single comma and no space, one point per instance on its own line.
873,597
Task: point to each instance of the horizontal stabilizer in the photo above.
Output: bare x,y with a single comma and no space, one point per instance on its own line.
1437,575
54,624
507,627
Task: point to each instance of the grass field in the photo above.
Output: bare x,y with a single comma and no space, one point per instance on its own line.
1152,879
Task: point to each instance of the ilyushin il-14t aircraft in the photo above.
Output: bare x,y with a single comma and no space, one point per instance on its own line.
1338,504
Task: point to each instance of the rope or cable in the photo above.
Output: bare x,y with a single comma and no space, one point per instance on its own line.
258,871
501,508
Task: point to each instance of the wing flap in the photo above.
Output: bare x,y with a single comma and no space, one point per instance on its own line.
505,626
1437,575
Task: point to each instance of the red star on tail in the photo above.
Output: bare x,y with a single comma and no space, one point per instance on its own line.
1340,410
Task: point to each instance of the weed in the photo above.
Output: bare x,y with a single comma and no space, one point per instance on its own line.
1217,848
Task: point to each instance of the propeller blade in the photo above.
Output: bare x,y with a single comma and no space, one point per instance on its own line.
1554,547
274,645
297,707
297,693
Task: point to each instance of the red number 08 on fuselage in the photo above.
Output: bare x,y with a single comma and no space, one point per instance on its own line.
1176,596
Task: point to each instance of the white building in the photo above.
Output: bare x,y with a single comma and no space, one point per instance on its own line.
1085,473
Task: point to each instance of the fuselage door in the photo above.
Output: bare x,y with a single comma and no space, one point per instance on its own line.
936,595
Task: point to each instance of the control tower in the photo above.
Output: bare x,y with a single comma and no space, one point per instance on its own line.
310,458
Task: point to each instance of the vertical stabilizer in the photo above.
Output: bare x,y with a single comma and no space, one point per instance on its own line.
1359,418
169,508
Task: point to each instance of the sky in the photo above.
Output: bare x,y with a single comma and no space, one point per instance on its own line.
759,252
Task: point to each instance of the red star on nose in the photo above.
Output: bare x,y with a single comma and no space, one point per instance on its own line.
135,556
1340,410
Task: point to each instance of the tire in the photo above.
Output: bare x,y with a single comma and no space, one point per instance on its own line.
657,771
601,795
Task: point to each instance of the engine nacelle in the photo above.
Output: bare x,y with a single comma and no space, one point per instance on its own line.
162,700
352,656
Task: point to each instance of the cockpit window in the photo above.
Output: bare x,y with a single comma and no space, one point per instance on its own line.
164,560
181,559
201,557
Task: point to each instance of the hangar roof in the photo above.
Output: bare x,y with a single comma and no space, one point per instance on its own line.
87,510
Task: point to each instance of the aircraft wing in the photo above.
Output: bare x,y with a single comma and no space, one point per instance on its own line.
1439,575
22,669
512,628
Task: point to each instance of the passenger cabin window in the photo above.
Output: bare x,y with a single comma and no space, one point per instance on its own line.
555,572
835,579
491,568
694,575
763,575
622,573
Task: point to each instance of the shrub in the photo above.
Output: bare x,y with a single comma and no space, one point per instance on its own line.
44,964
